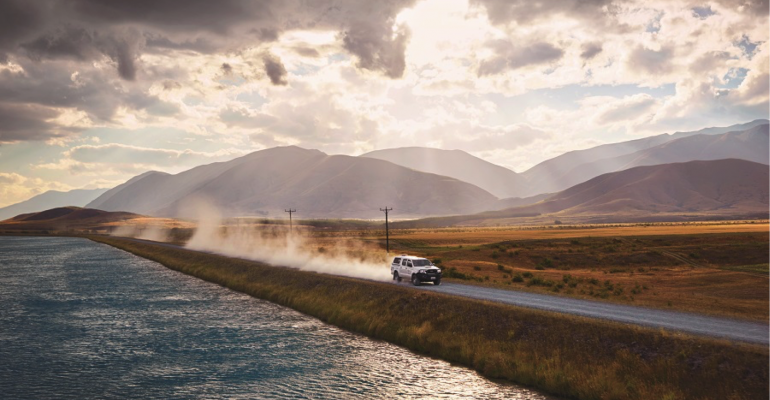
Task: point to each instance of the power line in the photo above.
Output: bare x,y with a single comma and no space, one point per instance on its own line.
290,211
387,234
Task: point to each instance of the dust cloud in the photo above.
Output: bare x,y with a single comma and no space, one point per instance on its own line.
276,246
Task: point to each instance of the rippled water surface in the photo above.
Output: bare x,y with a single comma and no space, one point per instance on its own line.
84,320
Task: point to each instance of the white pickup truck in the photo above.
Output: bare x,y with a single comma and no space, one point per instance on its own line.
416,269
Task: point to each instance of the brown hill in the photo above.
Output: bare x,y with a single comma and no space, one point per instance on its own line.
65,218
697,186
751,145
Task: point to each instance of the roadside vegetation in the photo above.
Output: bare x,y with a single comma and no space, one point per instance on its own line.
713,267
715,273
569,356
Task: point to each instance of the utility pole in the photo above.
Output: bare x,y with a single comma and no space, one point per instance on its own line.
291,227
387,234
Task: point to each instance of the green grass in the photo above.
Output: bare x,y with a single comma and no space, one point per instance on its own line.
569,356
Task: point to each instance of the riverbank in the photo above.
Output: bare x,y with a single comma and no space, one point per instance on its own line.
568,356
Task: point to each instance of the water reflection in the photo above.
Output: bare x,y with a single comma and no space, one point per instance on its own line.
84,320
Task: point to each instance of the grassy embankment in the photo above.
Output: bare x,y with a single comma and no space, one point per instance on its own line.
569,356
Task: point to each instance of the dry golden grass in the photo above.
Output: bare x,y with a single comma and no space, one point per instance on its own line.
709,267
164,223
485,235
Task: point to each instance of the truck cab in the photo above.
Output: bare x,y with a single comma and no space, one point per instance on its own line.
416,269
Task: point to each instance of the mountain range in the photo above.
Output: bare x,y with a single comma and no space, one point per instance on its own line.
267,182
571,168
417,182
51,199
557,173
500,181
714,188
729,186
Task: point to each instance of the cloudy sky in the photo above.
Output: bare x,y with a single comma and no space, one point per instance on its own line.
93,93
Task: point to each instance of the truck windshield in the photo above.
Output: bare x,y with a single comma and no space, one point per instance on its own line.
421,263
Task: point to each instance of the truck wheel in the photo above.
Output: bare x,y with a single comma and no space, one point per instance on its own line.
438,282
415,281
397,277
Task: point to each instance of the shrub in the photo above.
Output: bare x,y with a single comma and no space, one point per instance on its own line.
527,274
452,273
535,281
476,268
518,278
545,263
539,281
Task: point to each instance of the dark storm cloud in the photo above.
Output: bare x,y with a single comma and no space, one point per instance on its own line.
56,43
26,122
508,56
65,42
125,55
83,29
159,43
526,12
82,44
275,70
590,50
51,85
21,19
377,50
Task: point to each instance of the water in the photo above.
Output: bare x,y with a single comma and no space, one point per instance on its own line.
80,319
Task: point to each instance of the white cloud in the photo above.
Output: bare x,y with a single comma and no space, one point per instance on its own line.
15,188
127,154
339,97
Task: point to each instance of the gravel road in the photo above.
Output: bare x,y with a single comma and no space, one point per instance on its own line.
699,324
